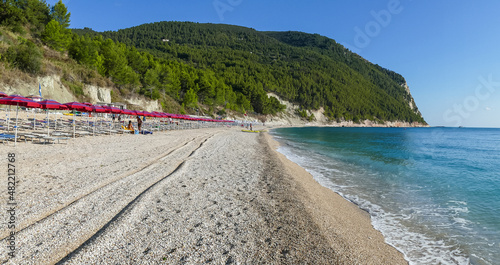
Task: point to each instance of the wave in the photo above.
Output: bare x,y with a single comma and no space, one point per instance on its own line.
418,244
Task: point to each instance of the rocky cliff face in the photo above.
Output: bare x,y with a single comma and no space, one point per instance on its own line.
53,88
411,102
98,94
289,117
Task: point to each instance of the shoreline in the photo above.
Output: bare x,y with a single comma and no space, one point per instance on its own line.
193,196
347,227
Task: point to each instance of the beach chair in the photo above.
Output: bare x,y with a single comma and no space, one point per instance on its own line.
48,139
7,137
4,140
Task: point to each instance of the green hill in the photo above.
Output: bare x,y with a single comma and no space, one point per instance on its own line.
307,69
188,66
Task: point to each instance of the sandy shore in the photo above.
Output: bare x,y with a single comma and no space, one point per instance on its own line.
217,196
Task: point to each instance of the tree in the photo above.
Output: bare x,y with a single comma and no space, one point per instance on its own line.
11,14
59,13
55,36
16,13
151,77
190,99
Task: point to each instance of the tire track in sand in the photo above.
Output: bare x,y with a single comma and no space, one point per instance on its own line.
39,218
64,231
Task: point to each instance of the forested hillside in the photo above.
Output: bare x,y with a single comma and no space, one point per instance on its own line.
209,66
307,69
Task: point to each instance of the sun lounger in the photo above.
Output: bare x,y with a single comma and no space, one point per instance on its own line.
4,140
60,134
30,137
48,139
8,136
11,137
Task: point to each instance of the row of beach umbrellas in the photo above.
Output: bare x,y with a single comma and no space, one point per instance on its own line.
20,101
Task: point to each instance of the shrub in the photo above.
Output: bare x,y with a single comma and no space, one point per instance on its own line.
26,57
221,112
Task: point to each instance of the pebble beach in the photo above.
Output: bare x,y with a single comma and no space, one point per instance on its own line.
215,196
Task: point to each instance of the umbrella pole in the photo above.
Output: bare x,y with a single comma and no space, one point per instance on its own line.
74,125
15,137
93,125
48,122
8,120
34,118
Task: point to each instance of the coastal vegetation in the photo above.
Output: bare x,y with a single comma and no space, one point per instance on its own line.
215,67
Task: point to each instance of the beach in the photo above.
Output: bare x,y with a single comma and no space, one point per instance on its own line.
217,196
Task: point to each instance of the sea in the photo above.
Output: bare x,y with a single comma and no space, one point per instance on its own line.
434,193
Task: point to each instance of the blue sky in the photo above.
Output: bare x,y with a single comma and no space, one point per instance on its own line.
448,51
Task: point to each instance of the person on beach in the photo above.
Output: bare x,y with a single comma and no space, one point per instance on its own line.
139,123
130,127
251,129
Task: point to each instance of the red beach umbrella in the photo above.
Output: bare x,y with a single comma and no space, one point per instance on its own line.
132,112
113,110
79,107
16,100
126,112
98,109
3,94
11,100
160,114
49,104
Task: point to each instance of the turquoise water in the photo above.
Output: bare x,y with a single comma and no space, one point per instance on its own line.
433,192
